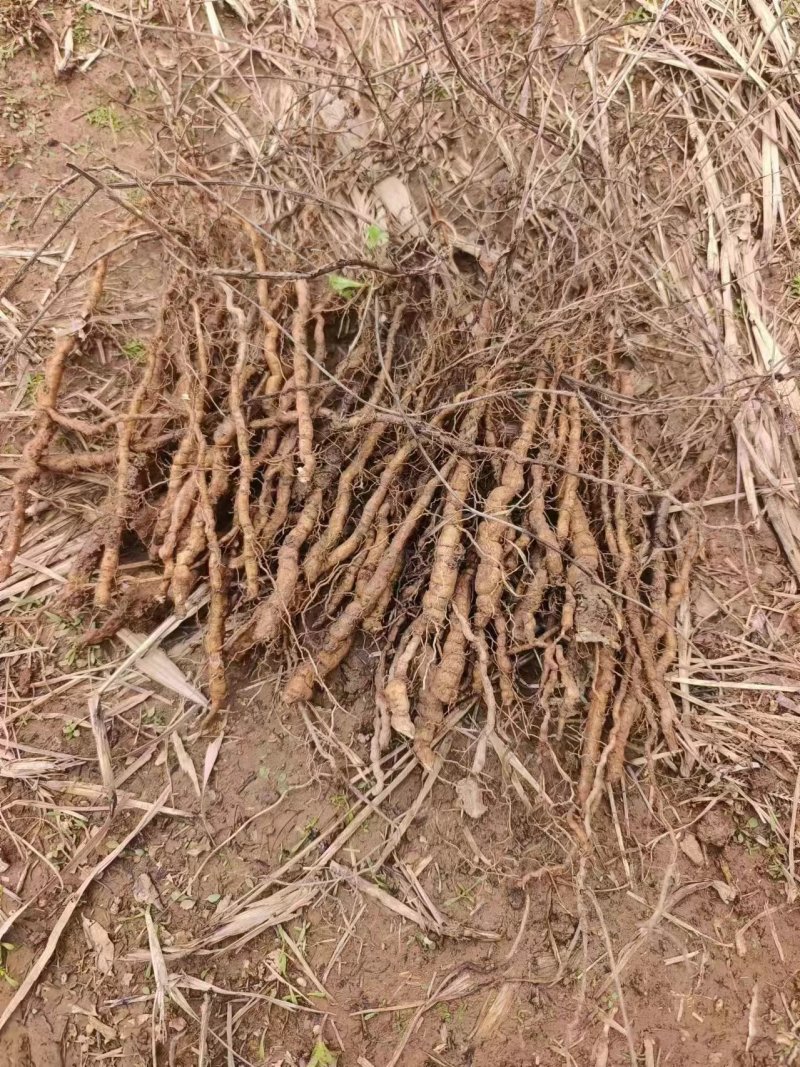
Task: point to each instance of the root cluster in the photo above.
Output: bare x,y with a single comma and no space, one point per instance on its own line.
409,471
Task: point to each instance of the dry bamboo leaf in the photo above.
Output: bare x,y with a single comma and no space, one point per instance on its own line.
753,1028
212,752
496,1008
103,748
156,665
469,794
161,976
395,197
33,767
185,761
379,895
726,893
100,943
95,1025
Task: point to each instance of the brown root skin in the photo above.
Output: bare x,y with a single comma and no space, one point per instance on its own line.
126,470
489,578
340,634
446,556
315,561
30,462
602,687
271,328
242,498
266,621
218,609
445,681
396,691
305,426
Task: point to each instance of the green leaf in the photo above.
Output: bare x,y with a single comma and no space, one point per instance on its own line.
375,236
214,898
283,961
344,286
321,1056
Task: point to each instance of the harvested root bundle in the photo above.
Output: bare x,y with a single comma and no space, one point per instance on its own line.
339,474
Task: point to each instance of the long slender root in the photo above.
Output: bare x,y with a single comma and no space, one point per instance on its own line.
29,467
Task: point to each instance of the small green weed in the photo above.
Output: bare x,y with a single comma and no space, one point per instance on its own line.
106,117
321,1056
153,717
134,350
794,287
345,287
375,237
81,35
71,731
638,16
5,948
308,833
33,385
342,806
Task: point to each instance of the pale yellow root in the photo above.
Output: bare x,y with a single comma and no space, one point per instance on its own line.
182,579
678,590
478,638
167,525
373,622
345,550
218,607
505,668
375,548
445,681
544,532
527,607
182,505
270,522
265,623
339,636
395,692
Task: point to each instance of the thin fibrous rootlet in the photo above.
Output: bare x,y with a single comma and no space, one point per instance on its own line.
389,474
